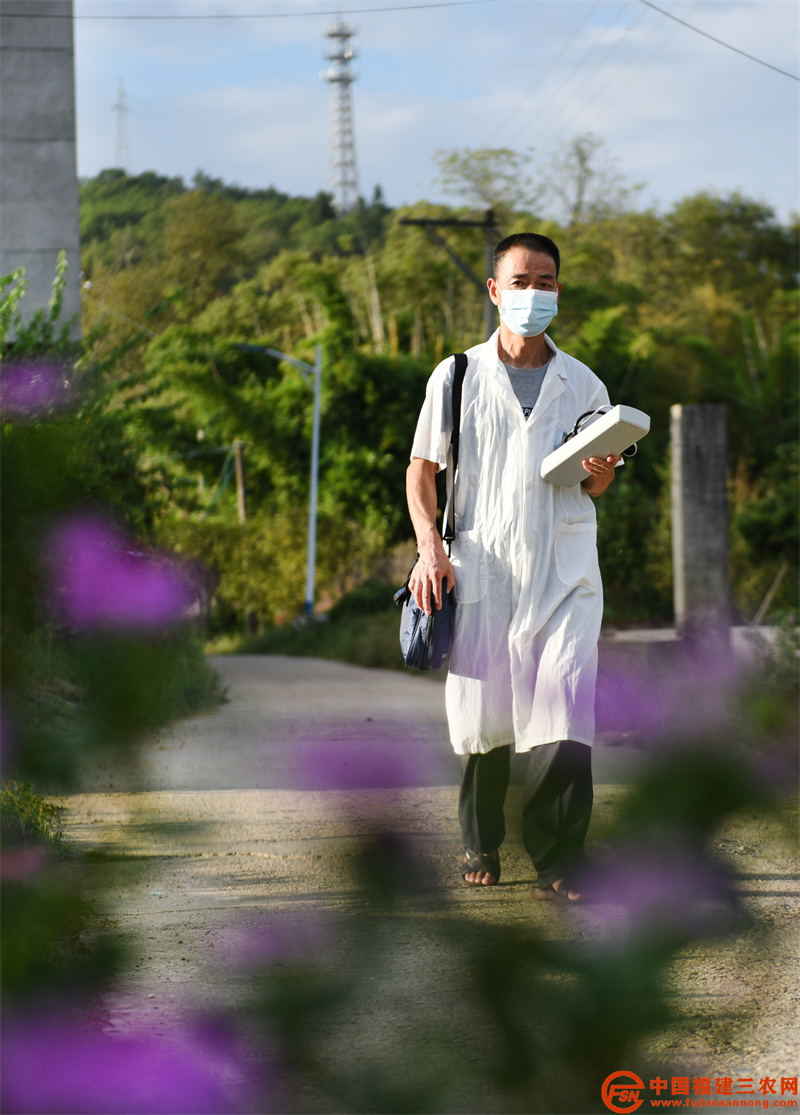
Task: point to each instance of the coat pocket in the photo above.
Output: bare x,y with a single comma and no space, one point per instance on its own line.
576,555
470,564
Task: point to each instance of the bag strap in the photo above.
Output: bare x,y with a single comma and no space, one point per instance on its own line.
460,359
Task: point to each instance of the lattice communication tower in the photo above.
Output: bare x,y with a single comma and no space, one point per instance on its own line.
342,174
121,110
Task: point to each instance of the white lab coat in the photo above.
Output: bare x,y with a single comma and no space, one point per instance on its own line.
528,590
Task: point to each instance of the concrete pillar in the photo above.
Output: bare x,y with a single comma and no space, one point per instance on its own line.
39,214
700,522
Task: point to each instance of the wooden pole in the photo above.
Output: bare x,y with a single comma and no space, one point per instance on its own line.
765,603
489,308
241,502
430,224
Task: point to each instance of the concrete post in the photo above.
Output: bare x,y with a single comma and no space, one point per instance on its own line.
700,522
39,214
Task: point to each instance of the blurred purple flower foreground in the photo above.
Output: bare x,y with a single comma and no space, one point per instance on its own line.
663,892
29,389
674,700
52,1069
22,864
359,756
279,937
98,581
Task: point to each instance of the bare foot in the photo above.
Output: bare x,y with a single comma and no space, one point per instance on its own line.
556,891
480,878
571,895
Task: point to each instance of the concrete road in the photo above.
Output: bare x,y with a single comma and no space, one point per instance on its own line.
304,723
259,810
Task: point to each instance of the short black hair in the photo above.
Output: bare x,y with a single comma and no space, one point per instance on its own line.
533,241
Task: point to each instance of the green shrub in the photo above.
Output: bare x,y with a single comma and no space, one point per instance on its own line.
28,815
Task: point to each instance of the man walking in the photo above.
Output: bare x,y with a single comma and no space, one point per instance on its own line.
524,565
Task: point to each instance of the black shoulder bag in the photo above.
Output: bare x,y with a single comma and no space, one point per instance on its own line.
425,639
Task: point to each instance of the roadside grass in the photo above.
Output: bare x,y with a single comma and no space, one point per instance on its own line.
28,815
51,666
55,716
197,686
362,628
52,936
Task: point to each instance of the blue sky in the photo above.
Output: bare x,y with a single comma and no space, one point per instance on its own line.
242,97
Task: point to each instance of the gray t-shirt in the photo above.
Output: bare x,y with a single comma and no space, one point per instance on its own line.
527,383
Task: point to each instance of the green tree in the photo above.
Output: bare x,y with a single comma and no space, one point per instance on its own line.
696,305
584,183
496,178
201,249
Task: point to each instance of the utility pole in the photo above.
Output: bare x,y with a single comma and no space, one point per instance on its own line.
342,175
121,111
430,224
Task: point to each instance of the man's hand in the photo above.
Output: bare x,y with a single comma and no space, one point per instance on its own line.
434,565
427,577
601,473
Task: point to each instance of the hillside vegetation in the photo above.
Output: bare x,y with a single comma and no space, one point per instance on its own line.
695,305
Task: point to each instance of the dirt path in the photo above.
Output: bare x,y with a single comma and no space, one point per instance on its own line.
262,804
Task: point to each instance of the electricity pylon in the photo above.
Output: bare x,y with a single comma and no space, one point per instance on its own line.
342,175
121,110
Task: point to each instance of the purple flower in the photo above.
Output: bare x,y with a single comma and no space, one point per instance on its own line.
671,699
99,581
274,938
30,388
363,755
54,1067
661,892
19,865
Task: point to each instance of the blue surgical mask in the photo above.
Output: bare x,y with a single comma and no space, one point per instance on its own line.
528,312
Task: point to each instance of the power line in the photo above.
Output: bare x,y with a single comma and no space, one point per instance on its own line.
261,15
373,11
621,89
622,68
616,72
735,49
603,31
586,81
539,80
